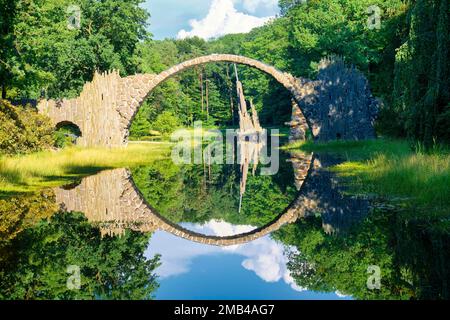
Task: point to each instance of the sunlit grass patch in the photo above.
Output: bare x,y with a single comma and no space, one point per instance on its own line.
354,150
53,168
392,168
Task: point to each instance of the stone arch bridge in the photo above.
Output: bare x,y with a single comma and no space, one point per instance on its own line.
339,104
111,201
107,105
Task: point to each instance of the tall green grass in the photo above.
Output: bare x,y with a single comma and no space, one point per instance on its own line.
53,168
393,168
354,150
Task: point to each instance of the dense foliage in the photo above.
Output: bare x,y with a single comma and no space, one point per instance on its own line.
110,268
43,53
23,130
411,252
421,93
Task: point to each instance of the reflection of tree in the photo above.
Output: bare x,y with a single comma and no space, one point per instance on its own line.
302,270
20,212
414,259
249,153
161,185
180,195
337,242
111,267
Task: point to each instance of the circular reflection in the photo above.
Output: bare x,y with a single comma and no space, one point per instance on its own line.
116,201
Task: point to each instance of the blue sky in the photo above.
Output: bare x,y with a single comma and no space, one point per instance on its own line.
254,270
207,18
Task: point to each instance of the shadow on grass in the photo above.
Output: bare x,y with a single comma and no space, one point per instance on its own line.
9,194
74,170
72,176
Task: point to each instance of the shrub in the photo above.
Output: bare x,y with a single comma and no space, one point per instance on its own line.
23,130
166,123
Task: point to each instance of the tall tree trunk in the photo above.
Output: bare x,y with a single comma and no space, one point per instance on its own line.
230,95
207,98
201,86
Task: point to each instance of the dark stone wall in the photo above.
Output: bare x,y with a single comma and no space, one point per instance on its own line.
327,197
342,105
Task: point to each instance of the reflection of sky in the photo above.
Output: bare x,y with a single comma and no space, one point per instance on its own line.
255,270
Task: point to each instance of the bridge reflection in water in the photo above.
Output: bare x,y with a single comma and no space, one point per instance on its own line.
112,201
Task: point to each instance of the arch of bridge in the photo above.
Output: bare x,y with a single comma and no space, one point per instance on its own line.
135,89
107,105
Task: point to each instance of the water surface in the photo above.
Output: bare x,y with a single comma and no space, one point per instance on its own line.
165,231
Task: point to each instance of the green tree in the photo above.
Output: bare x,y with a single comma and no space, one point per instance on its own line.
43,53
23,130
166,123
421,95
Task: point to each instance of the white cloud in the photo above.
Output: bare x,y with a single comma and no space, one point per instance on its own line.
223,18
264,256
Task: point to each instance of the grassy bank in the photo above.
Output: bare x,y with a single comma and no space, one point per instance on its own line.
53,168
392,168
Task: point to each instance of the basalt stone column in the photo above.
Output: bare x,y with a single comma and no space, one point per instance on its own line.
341,105
298,125
324,194
94,111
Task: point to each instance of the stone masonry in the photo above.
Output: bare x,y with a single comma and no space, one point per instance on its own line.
342,106
338,105
107,105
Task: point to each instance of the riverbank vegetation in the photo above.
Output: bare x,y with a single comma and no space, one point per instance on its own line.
23,130
392,169
54,168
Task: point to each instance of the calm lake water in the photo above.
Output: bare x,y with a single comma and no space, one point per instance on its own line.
169,231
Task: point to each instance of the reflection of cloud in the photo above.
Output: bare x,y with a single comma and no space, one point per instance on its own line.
223,18
264,256
219,228
341,295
